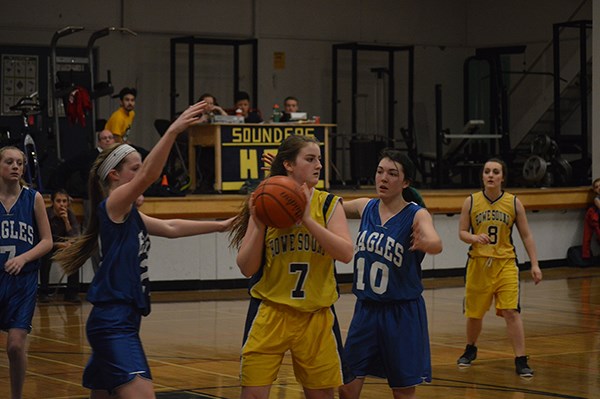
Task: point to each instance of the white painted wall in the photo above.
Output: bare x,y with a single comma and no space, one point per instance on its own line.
208,258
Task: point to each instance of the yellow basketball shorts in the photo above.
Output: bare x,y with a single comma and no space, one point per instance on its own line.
313,339
491,279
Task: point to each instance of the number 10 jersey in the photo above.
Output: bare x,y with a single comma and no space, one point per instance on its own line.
385,269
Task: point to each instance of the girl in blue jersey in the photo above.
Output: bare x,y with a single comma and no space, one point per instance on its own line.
120,288
293,286
25,237
388,334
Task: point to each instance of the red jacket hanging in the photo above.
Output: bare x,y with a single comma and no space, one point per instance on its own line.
79,102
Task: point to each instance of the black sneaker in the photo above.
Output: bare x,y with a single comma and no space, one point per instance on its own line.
522,368
467,357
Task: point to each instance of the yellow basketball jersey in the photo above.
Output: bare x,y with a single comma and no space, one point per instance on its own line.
297,272
496,219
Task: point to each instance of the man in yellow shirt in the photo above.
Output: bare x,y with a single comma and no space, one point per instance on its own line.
121,120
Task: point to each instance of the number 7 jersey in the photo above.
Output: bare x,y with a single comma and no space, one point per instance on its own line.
385,269
296,270
496,219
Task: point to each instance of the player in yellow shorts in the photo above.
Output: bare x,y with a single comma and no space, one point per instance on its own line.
486,222
311,338
293,286
491,279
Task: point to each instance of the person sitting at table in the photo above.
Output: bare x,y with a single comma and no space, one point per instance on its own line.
290,104
212,108
242,102
205,164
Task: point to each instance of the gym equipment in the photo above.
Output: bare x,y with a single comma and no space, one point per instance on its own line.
100,88
535,168
29,106
541,145
561,106
463,159
81,73
545,166
386,104
59,89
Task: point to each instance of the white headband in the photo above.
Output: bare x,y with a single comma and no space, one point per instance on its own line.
113,159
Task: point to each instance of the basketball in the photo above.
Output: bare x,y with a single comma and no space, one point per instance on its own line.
279,202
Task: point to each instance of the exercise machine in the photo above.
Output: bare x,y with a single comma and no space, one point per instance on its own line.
29,106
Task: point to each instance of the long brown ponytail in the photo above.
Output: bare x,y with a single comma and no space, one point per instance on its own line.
75,255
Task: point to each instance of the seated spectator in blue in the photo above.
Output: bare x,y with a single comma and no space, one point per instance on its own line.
242,101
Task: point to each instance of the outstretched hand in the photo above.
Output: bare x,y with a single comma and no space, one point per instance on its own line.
187,118
225,225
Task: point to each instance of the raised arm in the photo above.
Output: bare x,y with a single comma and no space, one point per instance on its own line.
120,200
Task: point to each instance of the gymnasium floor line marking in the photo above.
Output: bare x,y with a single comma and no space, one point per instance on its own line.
501,388
192,368
47,377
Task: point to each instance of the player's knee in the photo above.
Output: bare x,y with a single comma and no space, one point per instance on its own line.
15,348
510,314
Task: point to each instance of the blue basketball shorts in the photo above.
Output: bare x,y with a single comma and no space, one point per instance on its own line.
390,340
18,295
117,353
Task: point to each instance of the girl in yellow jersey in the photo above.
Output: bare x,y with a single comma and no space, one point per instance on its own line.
486,222
293,284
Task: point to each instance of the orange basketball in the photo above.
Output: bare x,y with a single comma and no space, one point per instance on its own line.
279,201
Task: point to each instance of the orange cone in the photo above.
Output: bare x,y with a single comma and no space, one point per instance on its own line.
164,182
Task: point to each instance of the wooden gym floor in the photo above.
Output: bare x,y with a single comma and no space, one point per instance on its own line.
192,340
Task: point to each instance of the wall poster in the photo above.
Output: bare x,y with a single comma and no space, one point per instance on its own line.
19,79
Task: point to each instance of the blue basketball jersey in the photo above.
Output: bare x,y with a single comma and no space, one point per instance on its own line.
19,230
384,267
123,273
